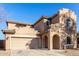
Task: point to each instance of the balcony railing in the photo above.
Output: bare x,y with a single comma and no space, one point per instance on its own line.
46,28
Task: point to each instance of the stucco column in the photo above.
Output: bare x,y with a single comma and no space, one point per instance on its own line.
50,41
10,41
42,42
50,44
60,42
60,45
75,43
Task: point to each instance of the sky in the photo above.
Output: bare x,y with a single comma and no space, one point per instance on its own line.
31,12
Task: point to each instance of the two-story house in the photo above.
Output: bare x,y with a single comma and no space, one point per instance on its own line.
55,32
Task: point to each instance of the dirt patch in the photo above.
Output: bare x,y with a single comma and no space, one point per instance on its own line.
71,52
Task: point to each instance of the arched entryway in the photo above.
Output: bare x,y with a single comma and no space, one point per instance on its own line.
45,41
56,42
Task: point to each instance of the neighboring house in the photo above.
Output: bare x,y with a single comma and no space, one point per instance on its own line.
2,44
55,32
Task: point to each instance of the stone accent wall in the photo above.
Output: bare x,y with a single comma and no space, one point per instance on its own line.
63,32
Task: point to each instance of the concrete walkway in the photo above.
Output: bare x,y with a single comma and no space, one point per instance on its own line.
35,52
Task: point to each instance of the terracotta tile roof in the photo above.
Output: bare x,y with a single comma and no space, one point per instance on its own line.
43,17
18,23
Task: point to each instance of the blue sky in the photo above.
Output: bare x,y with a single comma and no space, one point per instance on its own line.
31,12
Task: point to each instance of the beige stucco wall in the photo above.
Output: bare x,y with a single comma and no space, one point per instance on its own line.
22,30
11,26
22,36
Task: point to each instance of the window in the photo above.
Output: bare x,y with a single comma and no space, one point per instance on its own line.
68,24
68,40
47,23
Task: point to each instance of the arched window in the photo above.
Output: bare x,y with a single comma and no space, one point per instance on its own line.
67,23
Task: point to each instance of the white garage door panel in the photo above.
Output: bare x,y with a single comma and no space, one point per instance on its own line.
23,43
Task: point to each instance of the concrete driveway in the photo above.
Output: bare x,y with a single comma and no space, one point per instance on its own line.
35,52
40,52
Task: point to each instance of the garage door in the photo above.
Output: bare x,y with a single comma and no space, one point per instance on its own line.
24,43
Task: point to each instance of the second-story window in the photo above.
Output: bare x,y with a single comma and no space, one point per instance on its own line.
47,23
68,24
